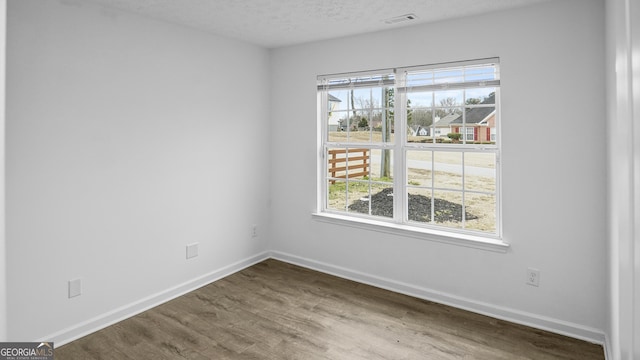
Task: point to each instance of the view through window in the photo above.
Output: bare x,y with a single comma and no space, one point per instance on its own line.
415,146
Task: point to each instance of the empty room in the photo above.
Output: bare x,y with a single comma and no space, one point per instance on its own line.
281,179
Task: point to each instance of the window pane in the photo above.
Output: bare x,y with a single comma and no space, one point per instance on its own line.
348,163
357,130
337,125
419,168
449,98
447,121
480,172
377,200
480,96
338,99
349,126
481,212
419,99
420,125
482,119
379,135
358,197
419,205
377,96
420,116
338,115
448,170
337,195
382,165
335,162
361,98
447,208
382,201
358,135
371,198
375,123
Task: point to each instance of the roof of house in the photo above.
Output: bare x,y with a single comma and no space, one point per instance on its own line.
473,115
445,121
416,128
334,99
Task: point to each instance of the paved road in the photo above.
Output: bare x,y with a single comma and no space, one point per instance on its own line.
454,169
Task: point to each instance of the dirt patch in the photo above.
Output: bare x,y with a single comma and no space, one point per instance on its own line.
419,208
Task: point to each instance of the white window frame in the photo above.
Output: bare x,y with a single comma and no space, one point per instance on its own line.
467,133
399,224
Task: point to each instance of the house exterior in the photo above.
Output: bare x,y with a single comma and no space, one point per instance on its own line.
443,126
334,122
479,123
419,131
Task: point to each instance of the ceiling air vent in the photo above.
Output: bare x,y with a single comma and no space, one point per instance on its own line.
401,18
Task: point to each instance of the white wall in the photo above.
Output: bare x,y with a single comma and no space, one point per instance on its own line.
3,258
623,119
119,132
122,142
554,191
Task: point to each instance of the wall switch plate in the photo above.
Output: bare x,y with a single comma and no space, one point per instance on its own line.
75,288
192,250
533,277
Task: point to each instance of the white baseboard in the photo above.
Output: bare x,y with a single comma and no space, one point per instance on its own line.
557,326
99,322
519,317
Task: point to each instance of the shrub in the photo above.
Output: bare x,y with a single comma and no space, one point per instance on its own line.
454,136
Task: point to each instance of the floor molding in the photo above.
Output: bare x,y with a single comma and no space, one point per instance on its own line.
520,317
101,321
608,355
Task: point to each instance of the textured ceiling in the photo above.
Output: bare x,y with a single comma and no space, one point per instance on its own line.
276,23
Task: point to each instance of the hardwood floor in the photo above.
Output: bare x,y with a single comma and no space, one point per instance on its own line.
275,310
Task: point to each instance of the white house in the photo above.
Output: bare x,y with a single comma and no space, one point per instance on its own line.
334,118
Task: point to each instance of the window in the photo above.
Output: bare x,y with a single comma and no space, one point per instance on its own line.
416,147
470,134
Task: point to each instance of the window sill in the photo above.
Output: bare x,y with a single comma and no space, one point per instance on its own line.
471,241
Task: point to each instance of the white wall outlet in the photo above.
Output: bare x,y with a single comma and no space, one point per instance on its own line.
533,277
75,288
254,230
192,250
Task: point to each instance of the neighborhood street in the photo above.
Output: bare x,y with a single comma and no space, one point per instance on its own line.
450,168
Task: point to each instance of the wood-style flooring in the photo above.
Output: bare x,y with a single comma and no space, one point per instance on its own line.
275,310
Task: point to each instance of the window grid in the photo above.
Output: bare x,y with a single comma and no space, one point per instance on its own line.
400,146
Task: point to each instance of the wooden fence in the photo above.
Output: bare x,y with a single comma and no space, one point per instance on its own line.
357,166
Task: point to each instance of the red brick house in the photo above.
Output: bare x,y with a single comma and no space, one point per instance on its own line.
479,123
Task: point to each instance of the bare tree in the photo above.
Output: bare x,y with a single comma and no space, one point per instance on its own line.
447,106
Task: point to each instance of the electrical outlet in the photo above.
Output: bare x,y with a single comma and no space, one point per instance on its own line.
75,288
533,277
192,250
254,230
